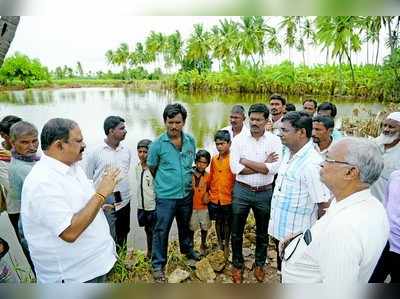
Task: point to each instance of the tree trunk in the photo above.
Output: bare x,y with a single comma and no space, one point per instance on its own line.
351,65
390,36
8,27
377,52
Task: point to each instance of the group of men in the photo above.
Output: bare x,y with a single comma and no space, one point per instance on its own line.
317,194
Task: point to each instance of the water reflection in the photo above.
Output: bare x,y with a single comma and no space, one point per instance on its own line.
142,110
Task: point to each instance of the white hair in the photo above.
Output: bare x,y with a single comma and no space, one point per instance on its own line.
366,155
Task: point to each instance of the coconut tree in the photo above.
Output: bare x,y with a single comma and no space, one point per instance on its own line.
138,56
341,35
251,38
198,48
393,33
173,49
306,35
226,43
271,40
121,57
155,46
8,27
290,26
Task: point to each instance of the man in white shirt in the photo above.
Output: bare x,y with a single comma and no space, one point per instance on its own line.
310,106
344,246
255,158
112,153
389,143
299,195
277,105
236,120
322,133
64,225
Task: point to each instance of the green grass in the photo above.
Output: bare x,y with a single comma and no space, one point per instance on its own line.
78,82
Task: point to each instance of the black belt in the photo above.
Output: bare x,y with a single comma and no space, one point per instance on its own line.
256,189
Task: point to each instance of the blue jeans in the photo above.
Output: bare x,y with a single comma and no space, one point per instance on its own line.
166,210
260,203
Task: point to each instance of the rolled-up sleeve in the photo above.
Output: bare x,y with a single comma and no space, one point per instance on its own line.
236,167
153,157
276,147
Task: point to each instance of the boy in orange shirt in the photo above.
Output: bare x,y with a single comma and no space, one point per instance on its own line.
221,186
200,183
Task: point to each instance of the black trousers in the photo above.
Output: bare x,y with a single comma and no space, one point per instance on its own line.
260,203
389,263
122,225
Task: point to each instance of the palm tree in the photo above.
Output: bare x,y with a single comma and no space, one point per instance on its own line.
251,37
341,35
306,35
225,43
8,27
139,55
121,57
154,46
198,48
173,50
393,35
290,25
110,57
79,69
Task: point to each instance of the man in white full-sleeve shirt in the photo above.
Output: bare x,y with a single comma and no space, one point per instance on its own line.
64,225
255,158
111,152
343,246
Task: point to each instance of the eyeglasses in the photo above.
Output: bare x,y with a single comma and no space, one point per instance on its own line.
336,161
306,237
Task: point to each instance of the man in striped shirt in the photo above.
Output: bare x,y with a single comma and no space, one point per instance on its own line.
299,196
255,158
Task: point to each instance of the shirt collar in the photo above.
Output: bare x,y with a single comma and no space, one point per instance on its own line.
165,138
394,148
316,146
56,164
248,134
350,200
304,150
119,147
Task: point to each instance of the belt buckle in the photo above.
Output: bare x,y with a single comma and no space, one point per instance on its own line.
254,189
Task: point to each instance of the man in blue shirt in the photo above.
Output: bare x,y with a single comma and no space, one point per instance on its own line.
170,161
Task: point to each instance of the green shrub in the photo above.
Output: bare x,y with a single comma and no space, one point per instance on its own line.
20,67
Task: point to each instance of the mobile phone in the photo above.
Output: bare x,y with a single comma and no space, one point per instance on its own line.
117,196
307,237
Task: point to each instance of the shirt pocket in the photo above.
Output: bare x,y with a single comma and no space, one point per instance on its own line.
187,158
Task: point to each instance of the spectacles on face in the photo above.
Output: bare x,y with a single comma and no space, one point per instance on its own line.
327,160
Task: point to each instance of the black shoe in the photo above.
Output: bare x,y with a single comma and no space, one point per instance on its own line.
159,276
192,255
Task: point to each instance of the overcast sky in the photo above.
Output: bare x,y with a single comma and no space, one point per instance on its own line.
64,40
